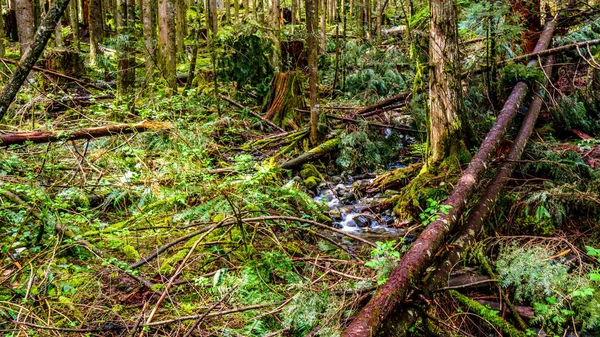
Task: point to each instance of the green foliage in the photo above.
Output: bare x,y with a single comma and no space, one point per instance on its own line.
362,150
516,72
577,112
384,258
247,57
372,72
431,213
559,295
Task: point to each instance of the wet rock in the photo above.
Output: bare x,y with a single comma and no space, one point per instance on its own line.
336,180
309,170
387,220
335,214
362,221
360,185
378,230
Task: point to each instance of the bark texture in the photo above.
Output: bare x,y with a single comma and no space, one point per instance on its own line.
446,133
95,18
166,41
28,60
25,25
319,151
91,133
312,45
422,252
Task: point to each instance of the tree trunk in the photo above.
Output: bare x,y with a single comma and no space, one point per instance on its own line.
95,28
312,45
25,26
276,25
446,129
2,32
213,16
322,7
125,51
181,23
149,24
166,41
91,133
236,11
28,60
74,23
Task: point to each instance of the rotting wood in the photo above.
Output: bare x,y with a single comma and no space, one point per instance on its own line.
90,133
266,121
316,152
421,254
45,30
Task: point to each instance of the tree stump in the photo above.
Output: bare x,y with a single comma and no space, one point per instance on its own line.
284,99
64,61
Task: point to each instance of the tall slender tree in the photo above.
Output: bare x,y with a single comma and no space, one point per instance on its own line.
2,32
313,48
166,42
25,25
95,20
446,127
149,23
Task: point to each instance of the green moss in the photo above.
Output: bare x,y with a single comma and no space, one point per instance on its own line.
131,254
309,170
311,182
168,266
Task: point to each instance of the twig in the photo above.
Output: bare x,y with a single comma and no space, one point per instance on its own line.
199,320
266,121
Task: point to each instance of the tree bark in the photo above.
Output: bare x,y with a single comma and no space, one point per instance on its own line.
25,26
74,23
181,23
126,59
2,32
312,45
91,133
28,60
95,18
422,252
446,128
149,24
166,41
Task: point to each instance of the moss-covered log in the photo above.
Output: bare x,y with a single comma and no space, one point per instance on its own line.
90,133
319,151
487,314
396,178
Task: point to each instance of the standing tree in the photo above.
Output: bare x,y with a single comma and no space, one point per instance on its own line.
149,24
95,19
446,126
25,27
2,33
166,42
126,65
313,47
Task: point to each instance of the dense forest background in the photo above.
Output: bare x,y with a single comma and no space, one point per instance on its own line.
299,168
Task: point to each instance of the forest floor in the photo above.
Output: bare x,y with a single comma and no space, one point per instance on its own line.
195,230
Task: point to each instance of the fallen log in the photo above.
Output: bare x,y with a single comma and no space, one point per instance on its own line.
377,125
469,233
266,121
90,133
421,254
319,151
46,28
381,104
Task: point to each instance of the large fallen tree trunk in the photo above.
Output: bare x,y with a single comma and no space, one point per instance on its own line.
422,252
474,224
103,131
45,30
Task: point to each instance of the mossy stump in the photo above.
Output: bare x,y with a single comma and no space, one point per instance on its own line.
284,100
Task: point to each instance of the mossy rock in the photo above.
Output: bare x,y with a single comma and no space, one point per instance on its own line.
309,170
312,182
131,254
